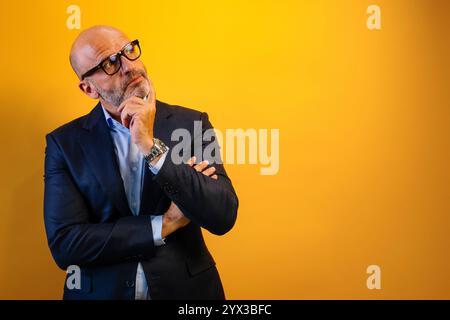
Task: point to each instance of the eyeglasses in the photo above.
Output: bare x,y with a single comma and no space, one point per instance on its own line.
112,64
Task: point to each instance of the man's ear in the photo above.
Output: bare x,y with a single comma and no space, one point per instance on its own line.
88,89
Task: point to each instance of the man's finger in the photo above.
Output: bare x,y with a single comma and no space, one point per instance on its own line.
124,103
201,166
125,118
191,161
215,176
209,171
128,112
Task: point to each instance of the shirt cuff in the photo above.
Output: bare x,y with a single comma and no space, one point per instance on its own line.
157,230
155,169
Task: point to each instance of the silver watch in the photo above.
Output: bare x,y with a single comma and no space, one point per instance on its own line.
158,149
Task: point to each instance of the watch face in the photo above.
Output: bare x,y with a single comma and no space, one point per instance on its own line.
158,148
160,145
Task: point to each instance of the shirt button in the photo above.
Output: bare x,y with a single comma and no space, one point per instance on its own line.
130,283
134,168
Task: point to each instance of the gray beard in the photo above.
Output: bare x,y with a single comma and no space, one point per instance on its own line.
115,98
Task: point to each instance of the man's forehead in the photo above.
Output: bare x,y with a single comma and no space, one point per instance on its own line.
96,50
93,45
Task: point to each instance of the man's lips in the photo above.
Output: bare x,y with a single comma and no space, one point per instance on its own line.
135,80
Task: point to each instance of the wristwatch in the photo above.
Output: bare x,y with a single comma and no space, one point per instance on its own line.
158,149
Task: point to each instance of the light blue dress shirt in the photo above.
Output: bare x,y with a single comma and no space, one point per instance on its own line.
132,165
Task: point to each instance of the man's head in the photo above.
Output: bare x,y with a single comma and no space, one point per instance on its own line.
96,44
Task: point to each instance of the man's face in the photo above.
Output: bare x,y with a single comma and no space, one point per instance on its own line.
130,80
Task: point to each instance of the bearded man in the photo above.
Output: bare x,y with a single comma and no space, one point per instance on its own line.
117,208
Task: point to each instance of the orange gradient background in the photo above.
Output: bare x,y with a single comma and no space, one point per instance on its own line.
364,136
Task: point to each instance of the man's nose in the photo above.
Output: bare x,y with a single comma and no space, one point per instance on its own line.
127,65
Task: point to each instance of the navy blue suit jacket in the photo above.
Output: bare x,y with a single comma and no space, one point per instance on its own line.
89,224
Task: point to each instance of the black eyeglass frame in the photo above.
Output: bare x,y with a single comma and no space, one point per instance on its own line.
118,55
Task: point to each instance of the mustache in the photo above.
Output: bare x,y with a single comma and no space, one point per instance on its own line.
133,75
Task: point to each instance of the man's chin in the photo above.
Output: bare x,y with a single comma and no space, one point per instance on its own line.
140,91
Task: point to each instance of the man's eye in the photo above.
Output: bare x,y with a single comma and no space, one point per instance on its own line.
110,62
131,49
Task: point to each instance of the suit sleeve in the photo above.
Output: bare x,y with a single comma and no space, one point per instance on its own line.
72,239
210,203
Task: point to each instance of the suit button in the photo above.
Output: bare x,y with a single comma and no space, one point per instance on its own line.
130,283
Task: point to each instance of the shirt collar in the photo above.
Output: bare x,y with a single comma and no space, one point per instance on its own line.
112,123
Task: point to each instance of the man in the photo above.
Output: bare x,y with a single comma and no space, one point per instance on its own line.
116,205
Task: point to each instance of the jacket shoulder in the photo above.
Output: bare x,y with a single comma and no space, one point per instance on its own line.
68,128
180,111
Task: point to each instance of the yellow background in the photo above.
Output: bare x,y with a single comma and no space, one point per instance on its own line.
364,127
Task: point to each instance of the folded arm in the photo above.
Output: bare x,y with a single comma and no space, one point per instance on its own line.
209,202
71,237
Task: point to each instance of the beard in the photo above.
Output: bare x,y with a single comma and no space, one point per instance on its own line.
115,97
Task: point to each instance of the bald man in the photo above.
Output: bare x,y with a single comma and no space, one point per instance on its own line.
120,214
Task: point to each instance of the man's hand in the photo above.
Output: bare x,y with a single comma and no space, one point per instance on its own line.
138,115
174,218
200,167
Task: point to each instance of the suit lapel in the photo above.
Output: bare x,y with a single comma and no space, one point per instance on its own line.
98,148
162,128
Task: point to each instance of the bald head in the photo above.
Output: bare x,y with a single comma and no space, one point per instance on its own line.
92,44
